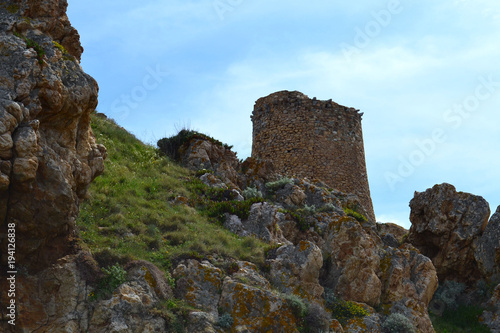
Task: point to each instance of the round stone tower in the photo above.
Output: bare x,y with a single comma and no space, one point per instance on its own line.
315,139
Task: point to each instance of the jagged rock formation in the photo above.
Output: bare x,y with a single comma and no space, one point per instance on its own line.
491,317
327,249
447,226
47,150
487,253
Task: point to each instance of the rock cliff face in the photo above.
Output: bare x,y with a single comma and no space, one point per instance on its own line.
48,153
357,259
452,229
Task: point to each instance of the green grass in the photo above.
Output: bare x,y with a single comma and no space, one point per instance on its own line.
129,212
462,320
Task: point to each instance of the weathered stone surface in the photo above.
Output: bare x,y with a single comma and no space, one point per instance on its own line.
212,181
248,274
128,310
409,281
48,154
491,317
57,299
144,270
291,195
50,18
353,262
391,234
199,284
201,322
254,309
407,274
263,222
487,251
203,154
445,224
296,270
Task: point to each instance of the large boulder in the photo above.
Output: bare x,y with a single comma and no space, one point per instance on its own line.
48,154
129,308
296,270
255,309
353,262
445,226
487,251
263,222
199,283
203,153
409,281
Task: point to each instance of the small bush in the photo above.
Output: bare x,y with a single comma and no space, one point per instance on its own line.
306,210
251,192
170,146
343,310
359,217
296,304
329,207
274,186
114,277
398,323
30,43
317,319
449,293
225,320
465,318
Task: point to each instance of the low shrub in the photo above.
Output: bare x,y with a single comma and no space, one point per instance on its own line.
114,276
317,320
359,217
449,292
280,183
398,323
251,192
296,304
462,319
343,310
225,320
170,146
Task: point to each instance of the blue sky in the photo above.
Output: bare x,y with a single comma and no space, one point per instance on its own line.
425,73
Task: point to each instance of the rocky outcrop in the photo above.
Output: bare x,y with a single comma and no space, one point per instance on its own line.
491,317
59,299
263,222
487,253
391,234
129,308
48,155
445,226
296,269
255,309
199,153
199,284
354,261
409,281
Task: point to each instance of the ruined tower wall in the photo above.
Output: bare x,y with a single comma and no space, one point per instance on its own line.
311,138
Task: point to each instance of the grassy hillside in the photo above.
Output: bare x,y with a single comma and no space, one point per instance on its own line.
129,212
